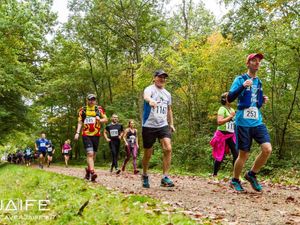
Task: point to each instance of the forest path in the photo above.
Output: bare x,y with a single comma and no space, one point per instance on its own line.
208,198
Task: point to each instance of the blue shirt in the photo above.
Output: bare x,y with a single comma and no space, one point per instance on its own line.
243,117
42,144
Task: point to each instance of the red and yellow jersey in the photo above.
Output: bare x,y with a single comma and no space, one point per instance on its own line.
91,124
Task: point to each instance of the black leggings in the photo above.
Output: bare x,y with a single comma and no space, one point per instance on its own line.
115,149
234,153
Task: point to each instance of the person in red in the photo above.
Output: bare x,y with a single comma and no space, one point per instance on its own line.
65,150
90,118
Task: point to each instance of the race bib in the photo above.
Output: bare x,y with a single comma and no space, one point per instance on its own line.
114,133
160,112
66,151
230,126
132,139
50,149
43,144
251,113
90,120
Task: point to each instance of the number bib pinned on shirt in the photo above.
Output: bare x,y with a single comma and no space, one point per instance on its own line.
90,120
251,113
230,126
114,133
160,112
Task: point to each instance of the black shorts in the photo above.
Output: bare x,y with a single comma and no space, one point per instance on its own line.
50,153
151,134
42,152
66,154
91,143
27,157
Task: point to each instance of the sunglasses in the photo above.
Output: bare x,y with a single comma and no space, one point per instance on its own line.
92,99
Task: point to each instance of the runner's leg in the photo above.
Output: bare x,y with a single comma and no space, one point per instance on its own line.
146,159
167,154
262,158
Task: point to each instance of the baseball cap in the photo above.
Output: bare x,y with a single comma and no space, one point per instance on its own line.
254,55
160,72
90,96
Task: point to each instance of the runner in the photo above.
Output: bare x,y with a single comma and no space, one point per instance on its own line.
157,123
224,137
91,116
248,89
50,152
113,133
20,156
131,145
41,146
65,150
28,155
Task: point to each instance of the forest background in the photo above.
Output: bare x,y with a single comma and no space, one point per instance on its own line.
111,48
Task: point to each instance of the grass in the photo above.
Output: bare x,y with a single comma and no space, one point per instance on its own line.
67,195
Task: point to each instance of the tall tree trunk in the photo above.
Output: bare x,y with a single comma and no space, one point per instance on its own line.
288,117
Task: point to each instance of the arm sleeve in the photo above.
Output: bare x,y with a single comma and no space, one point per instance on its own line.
236,89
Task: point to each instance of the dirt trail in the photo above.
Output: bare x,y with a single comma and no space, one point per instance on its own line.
201,198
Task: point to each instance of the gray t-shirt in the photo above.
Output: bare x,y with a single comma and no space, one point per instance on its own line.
156,118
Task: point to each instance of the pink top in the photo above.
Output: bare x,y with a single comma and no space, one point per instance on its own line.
66,148
218,143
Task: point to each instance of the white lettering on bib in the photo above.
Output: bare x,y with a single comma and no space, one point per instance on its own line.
230,126
50,149
114,133
43,144
90,120
251,113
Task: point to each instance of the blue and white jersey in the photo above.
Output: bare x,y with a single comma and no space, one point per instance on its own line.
42,144
28,151
156,118
248,117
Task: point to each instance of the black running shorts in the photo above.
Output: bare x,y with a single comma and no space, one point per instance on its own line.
91,143
151,134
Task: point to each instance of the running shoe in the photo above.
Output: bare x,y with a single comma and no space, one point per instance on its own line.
87,174
166,182
253,181
118,171
145,180
236,185
93,176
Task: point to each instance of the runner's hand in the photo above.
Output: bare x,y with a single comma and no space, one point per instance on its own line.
153,104
172,128
266,99
76,137
232,114
108,140
248,83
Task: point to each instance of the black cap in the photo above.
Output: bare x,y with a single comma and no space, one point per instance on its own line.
160,73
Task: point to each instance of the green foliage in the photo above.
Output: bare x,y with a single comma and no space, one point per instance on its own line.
67,195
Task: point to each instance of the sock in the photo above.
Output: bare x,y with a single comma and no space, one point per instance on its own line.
235,180
251,173
165,176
